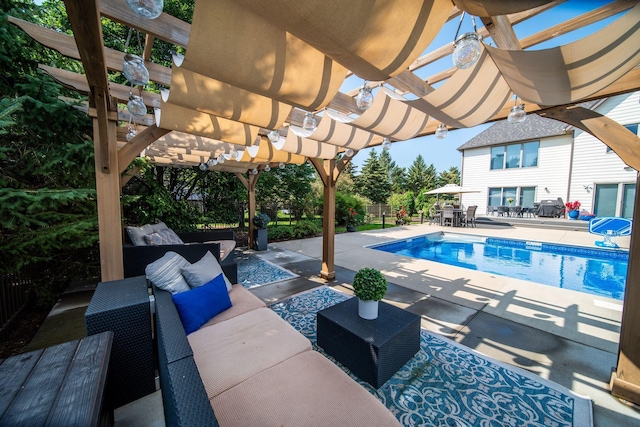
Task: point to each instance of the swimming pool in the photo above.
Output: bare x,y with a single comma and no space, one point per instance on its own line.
594,271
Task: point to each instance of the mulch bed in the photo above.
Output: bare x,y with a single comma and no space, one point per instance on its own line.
15,340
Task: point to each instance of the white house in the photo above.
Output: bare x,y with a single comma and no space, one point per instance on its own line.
543,159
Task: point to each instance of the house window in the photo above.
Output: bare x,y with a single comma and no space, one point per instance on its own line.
527,196
500,196
497,157
633,128
515,156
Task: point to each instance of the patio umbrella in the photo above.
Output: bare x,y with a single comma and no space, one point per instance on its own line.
451,189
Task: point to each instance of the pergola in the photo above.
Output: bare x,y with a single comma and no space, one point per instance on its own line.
252,67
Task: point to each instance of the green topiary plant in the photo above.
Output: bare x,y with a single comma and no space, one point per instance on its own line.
369,284
261,221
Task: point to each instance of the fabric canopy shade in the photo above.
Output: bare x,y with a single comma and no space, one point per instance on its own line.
495,8
234,45
199,92
569,73
375,39
387,117
469,97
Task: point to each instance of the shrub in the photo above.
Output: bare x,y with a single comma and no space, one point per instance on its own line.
369,284
280,233
305,229
261,221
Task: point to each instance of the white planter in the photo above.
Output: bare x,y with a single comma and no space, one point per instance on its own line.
368,309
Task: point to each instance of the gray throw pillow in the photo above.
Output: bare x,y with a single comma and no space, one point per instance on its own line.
136,234
159,226
163,237
203,271
165,273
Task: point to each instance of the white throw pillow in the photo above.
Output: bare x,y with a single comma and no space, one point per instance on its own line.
165,273
136,234
203,271
163,237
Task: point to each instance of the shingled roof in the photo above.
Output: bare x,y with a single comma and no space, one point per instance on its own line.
501,132
534,127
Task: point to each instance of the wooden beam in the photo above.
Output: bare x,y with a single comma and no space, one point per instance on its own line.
148,47
66,45
165,27
501,32
141,141
79,83
625,381
126,177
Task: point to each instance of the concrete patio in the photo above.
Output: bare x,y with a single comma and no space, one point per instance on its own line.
564,336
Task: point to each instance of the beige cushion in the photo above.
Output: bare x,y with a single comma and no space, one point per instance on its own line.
242,301
305,390
232,351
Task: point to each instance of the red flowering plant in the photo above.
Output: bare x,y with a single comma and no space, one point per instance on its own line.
351,220
572,206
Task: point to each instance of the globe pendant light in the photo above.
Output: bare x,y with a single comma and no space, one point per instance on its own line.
274,136
149,9
386,144
254,171
131,133
221,159
364,98
136,106
467,47
203,167
349,152
267,168
134,70
309,122
212,162
281,165
441,131
517,114
234,153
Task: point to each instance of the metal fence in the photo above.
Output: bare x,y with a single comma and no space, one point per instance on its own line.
14,296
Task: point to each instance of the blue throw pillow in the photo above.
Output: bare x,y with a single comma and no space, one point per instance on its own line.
200,304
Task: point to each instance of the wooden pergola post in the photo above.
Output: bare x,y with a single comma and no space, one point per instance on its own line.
625,381
250,184
329,171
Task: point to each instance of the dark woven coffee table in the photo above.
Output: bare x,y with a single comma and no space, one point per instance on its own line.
374,350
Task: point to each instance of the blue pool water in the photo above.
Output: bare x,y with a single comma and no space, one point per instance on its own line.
594,271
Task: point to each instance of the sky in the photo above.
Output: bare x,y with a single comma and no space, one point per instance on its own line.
443,153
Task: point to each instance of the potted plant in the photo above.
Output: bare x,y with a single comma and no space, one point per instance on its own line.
370,286
572,208
351,220
260,221
586,215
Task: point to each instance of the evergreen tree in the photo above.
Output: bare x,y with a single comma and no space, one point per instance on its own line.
48,217
420,176
373,183
346,180
451,176
398,178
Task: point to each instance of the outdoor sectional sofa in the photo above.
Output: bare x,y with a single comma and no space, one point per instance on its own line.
221,243
247,366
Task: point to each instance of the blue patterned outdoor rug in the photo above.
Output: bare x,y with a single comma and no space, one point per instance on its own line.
254,271
447,384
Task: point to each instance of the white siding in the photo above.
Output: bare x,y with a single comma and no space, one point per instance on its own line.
550,177
592,164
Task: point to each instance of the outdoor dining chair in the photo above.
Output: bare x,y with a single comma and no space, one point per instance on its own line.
448,215
470,216
434,216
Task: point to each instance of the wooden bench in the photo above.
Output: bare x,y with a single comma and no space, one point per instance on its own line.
60,385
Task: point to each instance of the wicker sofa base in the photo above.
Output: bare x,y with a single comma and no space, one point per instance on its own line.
278,379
